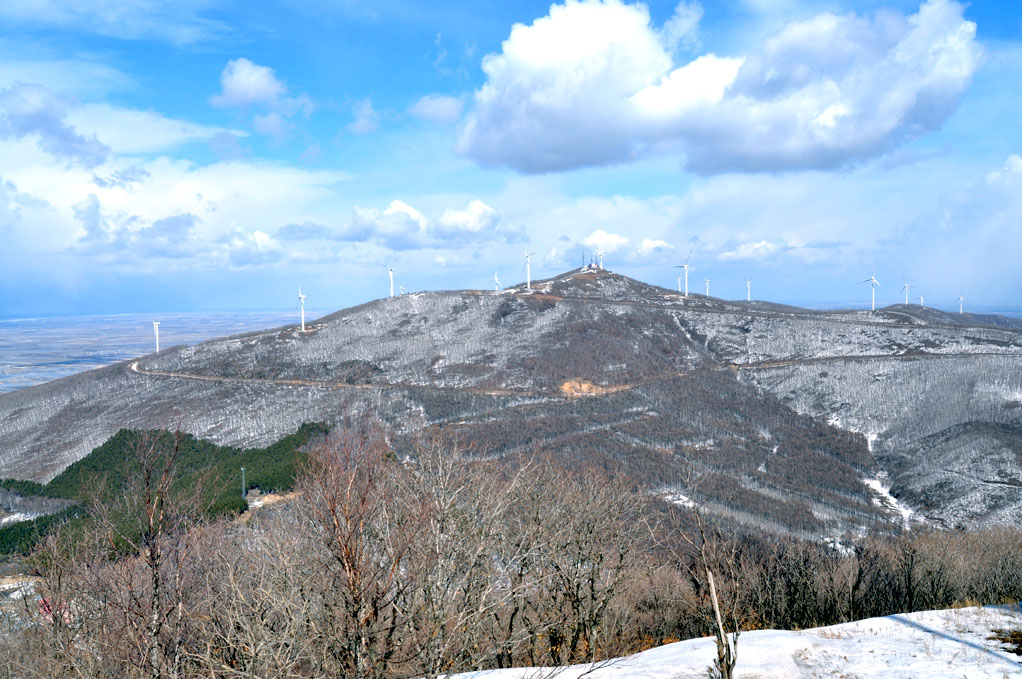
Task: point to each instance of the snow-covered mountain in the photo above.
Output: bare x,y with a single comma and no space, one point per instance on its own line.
771,415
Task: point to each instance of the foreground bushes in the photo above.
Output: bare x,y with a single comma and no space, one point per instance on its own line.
440,563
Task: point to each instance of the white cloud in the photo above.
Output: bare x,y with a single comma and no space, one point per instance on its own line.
366,118
680,31
401,227
132,131
1012,166
649,245
179,22
74,77
478,218
605,242
33,111
594,83
438,108
752,250
252,249
243,83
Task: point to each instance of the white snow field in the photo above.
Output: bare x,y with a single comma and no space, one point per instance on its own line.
927,645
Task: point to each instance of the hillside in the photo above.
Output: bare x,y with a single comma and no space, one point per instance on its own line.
769,414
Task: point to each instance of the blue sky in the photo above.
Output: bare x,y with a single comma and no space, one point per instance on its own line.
211,154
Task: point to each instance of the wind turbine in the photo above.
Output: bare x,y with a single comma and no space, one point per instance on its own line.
873,283
921,300
707,286
402,289
528,270
599,258
685,267
905,289
748,289
390,270
496,281
156,329
301,303
961,301
679,283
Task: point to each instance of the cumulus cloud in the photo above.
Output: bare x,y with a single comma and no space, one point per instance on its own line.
245,85
649,245
168,237
594,82
477,218
401,227
252,249
438,108
605,242
367,119
34,111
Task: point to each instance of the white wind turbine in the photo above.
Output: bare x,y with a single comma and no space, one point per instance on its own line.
961,303
402,289
679,283
707,286
496,281
156,329
873,283
685,267
390,270
301,303
528,270
905,289
748,289
921,300
599,258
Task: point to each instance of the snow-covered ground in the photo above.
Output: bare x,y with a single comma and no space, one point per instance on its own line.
882,487
931,644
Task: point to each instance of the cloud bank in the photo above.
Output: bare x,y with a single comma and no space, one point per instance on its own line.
595,83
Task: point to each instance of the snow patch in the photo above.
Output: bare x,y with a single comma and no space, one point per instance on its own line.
882,487
680,499
950,643
16,517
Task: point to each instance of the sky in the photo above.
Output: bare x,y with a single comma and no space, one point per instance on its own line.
218,154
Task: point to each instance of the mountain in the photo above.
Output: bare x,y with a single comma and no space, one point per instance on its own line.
772,415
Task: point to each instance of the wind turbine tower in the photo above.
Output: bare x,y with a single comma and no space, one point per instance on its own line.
961,308
301,303
873,283
921,300
599,259
685,267
496,281
748,289
390,270
905,289
528,270
156,329
707,280
679,283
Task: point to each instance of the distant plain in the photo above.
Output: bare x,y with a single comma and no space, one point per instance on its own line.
37,350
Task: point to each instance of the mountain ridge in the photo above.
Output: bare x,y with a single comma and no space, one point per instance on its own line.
594,367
